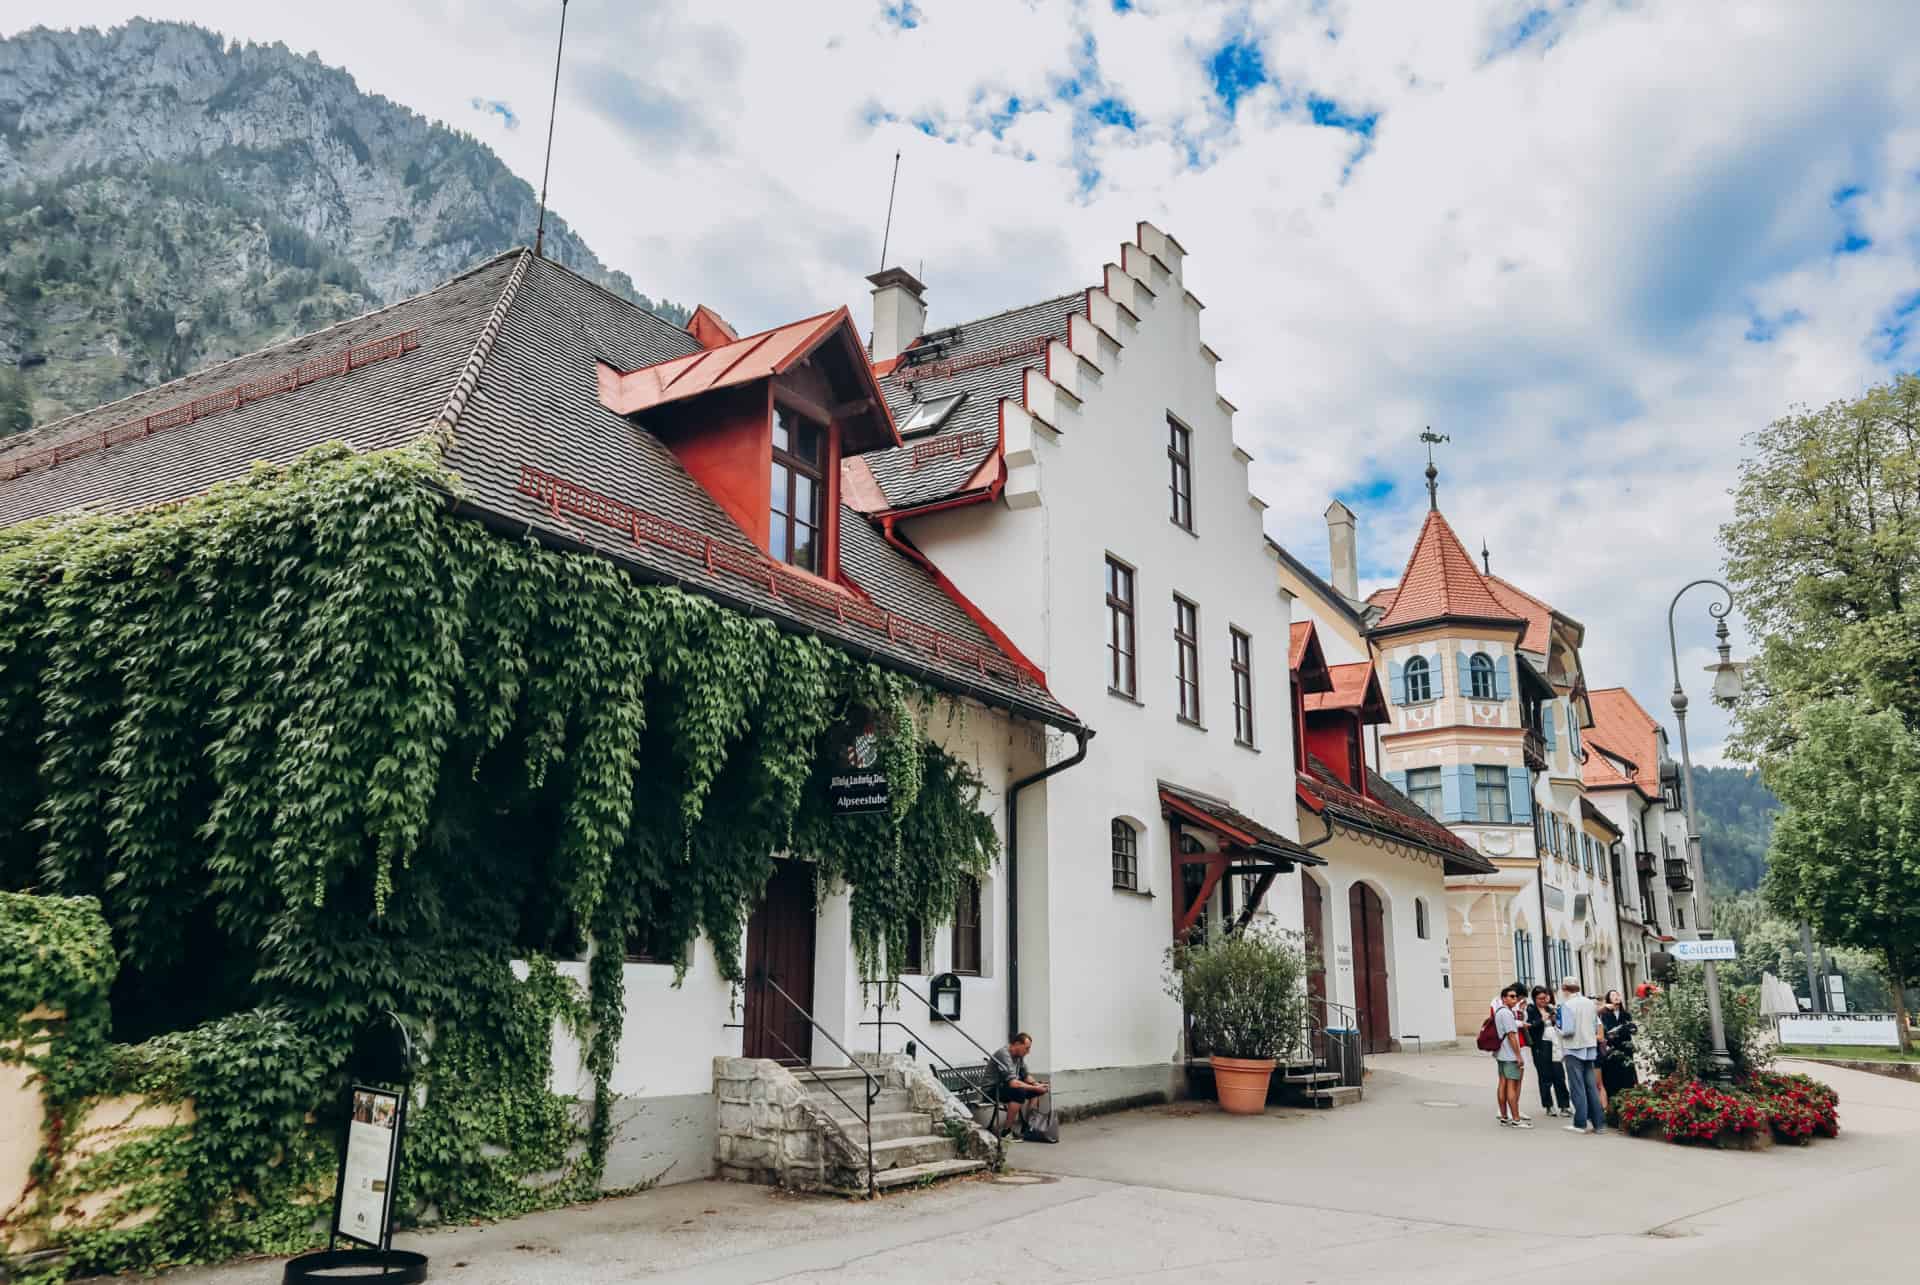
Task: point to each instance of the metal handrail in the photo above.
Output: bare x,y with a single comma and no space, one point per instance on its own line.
880,1005
873,1084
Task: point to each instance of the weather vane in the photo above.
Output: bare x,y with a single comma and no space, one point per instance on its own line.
1433,439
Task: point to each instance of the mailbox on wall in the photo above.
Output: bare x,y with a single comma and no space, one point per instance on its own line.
943,995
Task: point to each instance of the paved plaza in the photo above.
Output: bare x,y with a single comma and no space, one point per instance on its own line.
1414,1184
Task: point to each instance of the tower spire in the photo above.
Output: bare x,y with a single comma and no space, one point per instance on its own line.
1486,558
1431,438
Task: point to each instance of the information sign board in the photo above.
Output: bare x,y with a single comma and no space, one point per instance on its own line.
1876,1030
366,1171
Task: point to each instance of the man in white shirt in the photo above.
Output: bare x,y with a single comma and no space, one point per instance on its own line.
1580,1035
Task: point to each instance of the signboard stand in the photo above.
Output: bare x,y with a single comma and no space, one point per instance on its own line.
369,1169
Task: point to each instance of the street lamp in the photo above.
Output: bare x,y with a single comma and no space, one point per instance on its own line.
1726,690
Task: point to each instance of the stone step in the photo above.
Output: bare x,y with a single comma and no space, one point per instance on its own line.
1311,1077
852,1098
887,1125
904,1153
932,1171
1334,1095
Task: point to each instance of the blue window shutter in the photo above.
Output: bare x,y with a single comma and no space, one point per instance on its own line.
1503,677
1398,780
1439,673
1546,724
1573,729
1465,667
1450,794
1397,680
1520,794
1469,797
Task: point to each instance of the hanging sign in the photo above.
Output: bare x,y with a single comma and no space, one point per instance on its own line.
858,783
365,1206
1695,951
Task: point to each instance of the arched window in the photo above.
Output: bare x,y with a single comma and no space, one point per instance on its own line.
1480,672
1419,681
1420,918
1126,855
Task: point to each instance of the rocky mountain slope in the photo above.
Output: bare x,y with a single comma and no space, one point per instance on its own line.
169,199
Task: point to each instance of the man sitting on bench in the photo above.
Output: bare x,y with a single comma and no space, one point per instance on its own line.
1012,1086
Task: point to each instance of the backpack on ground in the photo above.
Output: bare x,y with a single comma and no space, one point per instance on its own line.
1489,1041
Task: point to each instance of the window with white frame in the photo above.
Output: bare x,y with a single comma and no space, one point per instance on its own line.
1423,787
1419,681
1480,676
1491,801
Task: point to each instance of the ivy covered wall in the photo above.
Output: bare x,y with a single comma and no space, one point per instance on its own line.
320,748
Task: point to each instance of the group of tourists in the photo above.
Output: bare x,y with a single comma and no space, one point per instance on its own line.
1582,1052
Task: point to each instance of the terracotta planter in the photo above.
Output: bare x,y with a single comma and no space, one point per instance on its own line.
1241,1083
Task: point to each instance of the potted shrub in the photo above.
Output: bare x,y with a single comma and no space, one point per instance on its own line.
1246,998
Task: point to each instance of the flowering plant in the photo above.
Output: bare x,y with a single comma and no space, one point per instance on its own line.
1684,1109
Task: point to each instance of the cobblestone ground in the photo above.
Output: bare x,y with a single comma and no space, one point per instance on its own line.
1416,1183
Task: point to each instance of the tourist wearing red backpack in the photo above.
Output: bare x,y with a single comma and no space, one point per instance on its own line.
1511,1042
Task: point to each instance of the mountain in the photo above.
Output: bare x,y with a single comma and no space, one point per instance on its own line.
1736,824
169,199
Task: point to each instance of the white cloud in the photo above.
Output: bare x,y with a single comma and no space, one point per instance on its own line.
1555,252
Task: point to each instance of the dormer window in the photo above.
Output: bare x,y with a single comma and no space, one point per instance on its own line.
797,491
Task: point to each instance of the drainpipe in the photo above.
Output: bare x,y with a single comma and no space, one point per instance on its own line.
1084,736
1547,978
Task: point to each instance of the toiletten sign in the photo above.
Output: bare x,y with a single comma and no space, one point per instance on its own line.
858,783
366,1171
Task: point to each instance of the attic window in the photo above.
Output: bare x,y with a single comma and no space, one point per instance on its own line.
928,416
797,491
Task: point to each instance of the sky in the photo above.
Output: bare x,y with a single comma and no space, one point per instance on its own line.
1596,243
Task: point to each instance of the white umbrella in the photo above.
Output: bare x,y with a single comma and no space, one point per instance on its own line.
1776,997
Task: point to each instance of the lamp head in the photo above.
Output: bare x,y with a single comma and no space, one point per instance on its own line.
1727,680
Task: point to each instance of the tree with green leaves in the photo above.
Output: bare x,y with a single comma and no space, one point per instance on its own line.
1846,849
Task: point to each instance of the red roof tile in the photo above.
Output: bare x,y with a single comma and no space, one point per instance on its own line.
1441,581
1305,658
1384,810
1622,726
1537,614
1355,686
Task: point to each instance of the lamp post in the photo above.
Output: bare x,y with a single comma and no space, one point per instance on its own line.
1726,690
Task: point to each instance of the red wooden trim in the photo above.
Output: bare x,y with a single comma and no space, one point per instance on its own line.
1216,863
1206,820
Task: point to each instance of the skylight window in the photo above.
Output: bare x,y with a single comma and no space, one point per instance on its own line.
930,415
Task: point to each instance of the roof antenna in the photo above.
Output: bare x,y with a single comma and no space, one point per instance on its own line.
1433,474
1486,559
886,237
540,231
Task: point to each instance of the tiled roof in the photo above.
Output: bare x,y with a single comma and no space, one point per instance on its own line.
1621,725
1237,826
380,406
1537,614
1392,813
507,360
1599,771
1441,581
949,456
1355,686
1306,659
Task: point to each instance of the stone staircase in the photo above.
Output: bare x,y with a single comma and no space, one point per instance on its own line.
909,1145
1311,1084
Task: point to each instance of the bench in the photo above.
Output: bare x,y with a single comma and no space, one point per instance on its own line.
973,1085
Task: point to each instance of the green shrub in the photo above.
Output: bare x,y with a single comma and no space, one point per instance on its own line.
1245,994
1676,1037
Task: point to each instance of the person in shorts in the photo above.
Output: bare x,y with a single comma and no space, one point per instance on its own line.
1508,1059
1012,1086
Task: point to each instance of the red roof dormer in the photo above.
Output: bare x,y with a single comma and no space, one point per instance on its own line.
762,423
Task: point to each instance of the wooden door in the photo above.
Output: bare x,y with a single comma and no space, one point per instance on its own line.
1314,913
780,949
1367,920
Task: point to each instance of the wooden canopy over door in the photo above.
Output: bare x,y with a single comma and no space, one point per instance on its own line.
1368,923
780,939
1314,912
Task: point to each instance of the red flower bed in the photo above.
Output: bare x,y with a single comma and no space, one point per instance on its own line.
1793,1106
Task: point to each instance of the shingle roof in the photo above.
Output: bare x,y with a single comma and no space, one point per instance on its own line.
938,464
507,360
1440,581
380,406
1237,826
1622,726
1384,810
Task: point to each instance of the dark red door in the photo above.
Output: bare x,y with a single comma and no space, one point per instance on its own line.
1314,913
780,950
1368,920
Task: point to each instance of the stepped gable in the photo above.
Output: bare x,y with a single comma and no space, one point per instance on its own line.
1622,727
382,405
1441,583
506,368
936,465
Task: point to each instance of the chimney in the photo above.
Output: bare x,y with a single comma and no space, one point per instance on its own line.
1343,555
899,312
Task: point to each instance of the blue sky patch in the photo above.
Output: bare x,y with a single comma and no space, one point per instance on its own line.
1237,69
1374,490
1852,243
1764,330
1531,23
495,107
1111,111
1842,195
1328,113
906,15
1891,338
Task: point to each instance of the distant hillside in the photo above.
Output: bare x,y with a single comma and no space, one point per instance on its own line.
168,199
1736,823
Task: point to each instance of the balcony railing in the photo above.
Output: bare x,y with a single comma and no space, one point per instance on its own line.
1679,877
1533,749
1643,861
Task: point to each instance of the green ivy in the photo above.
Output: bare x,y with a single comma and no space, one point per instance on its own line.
321,748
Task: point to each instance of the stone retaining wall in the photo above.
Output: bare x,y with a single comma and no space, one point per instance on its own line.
769,1131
